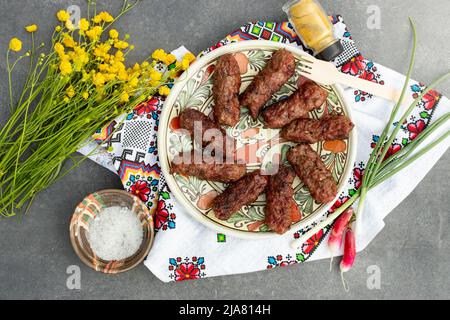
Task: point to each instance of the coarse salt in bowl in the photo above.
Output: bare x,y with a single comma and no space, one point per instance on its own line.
111,231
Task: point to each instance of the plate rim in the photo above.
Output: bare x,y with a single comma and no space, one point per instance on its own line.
162,142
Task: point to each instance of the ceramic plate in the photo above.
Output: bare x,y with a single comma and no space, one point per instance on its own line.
194,90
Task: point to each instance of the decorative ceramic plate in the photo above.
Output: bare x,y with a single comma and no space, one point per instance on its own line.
254,143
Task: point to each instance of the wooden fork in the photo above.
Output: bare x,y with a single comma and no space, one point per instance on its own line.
326,73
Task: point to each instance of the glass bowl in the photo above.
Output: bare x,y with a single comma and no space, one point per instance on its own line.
89,208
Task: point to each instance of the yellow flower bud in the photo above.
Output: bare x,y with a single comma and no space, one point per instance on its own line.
70,91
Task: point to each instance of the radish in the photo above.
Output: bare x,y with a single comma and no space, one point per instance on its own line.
349,255
336,235
349,251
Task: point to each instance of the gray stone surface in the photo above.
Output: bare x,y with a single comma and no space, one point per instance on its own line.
412,251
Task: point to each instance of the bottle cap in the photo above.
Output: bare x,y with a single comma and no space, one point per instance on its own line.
331,52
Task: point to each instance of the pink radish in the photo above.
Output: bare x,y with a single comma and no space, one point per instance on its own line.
349,255
336,235
349,251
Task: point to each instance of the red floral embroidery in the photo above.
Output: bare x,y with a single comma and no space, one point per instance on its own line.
187,271
354,66
369,76
430,99
147,107
339,202
161,215
358,174
140,189
312,242
393,149
416,128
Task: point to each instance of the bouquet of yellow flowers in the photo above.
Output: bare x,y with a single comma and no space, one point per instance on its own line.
81,84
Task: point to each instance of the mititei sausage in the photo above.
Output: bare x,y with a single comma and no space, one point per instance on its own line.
279,202
240,193
276,73
193,120
313,172
311,131
226,85
207,171
307,98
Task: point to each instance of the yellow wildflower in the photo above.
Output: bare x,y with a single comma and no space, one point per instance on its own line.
189,57
121,44
31,28
83,24
98,79
15,45
159,55
136,67
102,50
103,16
123,75
153,83
155,75
113,34
68,41
184,64
124,97
69,25
85,95
109,76
58,28
170,58
145,65
107,17
80,58
66,99
85,76
59,49
65,67
70,91
63,15
133,82
164,90
119,56
94,33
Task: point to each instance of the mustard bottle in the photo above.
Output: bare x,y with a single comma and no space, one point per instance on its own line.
312,25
